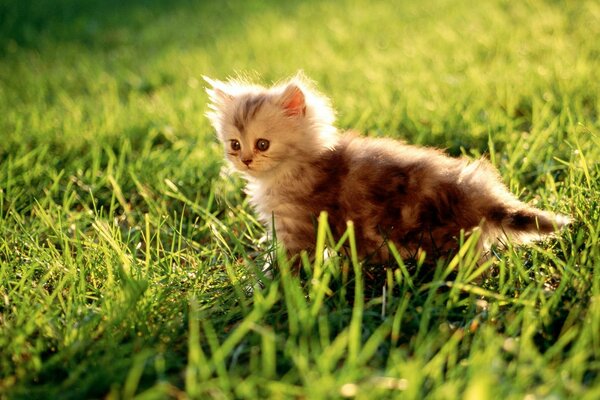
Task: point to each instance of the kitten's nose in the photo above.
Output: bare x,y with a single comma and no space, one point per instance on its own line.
247,161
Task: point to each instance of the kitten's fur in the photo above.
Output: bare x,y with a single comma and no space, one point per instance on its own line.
418,198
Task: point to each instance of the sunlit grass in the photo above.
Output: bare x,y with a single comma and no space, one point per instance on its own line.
131,264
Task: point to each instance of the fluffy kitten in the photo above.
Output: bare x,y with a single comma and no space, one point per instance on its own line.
282,139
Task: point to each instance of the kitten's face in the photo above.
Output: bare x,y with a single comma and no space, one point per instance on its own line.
260,129
263,140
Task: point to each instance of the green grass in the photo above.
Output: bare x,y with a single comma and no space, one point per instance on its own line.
126,256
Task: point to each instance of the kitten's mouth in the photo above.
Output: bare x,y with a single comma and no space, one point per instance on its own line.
252,170
249,168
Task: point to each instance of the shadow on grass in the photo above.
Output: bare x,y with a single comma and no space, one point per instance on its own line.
108,24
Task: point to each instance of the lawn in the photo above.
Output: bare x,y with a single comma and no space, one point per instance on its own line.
130,260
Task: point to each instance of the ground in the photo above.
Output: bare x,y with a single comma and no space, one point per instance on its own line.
128,257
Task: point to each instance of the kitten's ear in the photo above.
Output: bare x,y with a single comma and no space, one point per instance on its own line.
293,101
216,92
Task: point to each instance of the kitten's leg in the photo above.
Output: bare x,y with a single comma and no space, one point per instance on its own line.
296,237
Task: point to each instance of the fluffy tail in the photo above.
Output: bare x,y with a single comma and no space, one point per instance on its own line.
525,224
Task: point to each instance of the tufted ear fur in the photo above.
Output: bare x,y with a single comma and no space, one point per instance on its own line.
218,100
217,93
293,101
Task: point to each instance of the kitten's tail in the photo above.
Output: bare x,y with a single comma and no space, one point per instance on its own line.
524,223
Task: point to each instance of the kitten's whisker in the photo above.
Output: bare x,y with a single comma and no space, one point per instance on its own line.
273,158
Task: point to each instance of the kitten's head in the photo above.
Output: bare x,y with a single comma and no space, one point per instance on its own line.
265,130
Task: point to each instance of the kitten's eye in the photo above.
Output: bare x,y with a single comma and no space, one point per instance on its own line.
235,145
262,144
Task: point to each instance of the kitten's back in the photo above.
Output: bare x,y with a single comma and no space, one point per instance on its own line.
418,197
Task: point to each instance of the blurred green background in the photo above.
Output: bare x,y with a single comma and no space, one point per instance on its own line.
381,62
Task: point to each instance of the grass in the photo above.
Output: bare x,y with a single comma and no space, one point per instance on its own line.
126,257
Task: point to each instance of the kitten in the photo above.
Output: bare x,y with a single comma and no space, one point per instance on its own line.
282,139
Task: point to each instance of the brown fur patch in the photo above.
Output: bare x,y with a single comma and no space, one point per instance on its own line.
247,110
415,204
